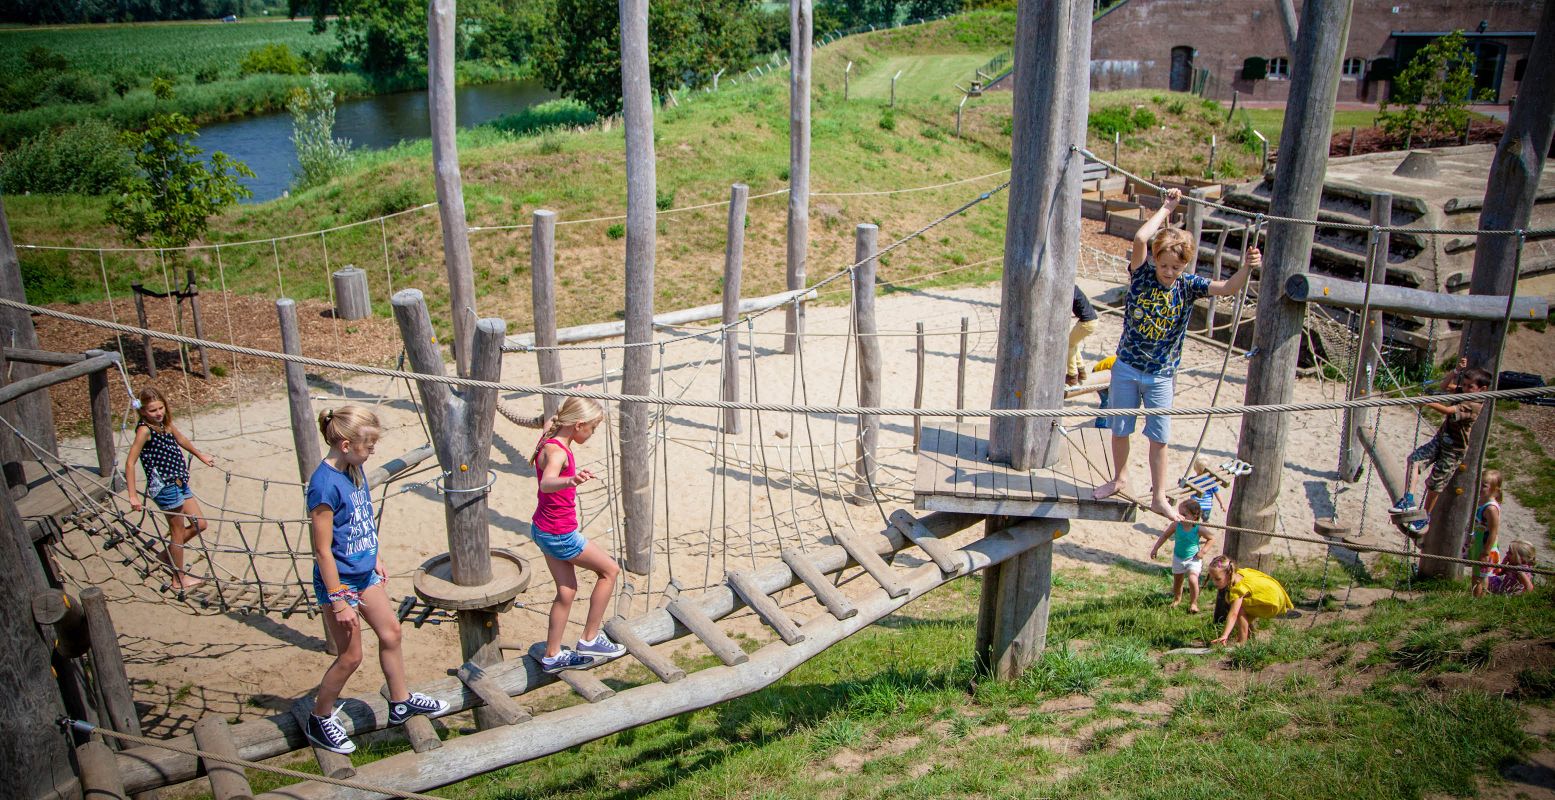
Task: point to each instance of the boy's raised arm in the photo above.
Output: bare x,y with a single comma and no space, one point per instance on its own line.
1234,284
1148,230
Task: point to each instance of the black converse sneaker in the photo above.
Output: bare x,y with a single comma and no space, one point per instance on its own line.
416,703
328,733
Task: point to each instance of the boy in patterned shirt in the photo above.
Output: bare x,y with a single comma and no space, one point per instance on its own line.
1161,293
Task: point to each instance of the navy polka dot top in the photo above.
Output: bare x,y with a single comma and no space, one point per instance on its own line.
163,458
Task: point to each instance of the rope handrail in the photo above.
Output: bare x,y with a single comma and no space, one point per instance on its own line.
998,413
1317,223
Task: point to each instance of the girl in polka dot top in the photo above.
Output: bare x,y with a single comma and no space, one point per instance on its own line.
158,447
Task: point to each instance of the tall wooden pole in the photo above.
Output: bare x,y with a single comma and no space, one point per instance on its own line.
637,116
869,366
542,282
800,30
1288,23
441,26
305,426
33,410
1042,236
1509,199
1365,378
734,257
1298,186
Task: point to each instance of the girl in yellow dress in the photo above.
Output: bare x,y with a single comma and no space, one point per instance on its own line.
1253,596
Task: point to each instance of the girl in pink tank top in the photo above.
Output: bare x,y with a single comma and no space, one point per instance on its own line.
556,532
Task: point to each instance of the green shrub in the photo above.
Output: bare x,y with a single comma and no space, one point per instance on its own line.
1176,107
42,59
888,120
1144,119
86,158
74,87
1120,120
551,142
545,116
210,73
320,156
664,200
276,59
616,231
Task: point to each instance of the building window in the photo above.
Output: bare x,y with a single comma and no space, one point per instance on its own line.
1354,67
1279,68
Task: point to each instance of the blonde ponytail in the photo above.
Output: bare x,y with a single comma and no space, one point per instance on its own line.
572,412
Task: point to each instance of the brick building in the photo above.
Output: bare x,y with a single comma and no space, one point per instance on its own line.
1169,44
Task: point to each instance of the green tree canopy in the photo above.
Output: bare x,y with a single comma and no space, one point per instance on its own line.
170,197
1432,91
689,40
382,36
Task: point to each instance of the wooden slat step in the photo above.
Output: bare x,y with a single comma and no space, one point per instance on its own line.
505,708
691,615
872,563
332,764
621,633
763,604
418,729
830,596
589,687
945,557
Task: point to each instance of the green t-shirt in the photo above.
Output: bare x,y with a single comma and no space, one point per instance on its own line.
1185,543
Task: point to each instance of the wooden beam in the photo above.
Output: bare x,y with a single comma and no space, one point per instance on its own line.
19,389
1042,234
765,607
587,686
945,556
621,632
1016,632
1326,290
641,221
542,283
228,782
27,355
668,319
828,595
305,426
442,22
108,663
699,623
99,771
801,30
102,417
734,257
872,563
869,361
503,707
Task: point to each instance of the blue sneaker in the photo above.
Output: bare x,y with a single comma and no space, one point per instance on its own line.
416,703
1418,526
1404,505
566,659
600,647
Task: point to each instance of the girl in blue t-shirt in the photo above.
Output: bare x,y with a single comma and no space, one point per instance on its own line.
348,581
1188,540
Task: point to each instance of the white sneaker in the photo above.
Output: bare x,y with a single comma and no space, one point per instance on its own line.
600,647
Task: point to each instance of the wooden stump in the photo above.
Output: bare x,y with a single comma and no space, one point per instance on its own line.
1012,617
351,298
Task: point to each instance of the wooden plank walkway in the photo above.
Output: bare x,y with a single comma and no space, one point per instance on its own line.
45,502
954,474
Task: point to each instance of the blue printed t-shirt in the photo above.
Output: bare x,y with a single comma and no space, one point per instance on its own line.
1155,319
356,532
1185,542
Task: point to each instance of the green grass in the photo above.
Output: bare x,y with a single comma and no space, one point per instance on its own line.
1271,121
145,49
922,75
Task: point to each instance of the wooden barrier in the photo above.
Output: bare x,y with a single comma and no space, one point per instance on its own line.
1339,293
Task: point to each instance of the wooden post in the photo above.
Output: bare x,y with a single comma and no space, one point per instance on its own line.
542,283
869,368
1509,201
1211,173
13,453
961,368
917,392
893,87
108,663
1042,236
1218,272
1298,186
305,425
31,702
461,428
636,377
1194,218
145,341
1116,138
1363,380
441,25
102,418
228,782
1235,95
1013,612
34,412
1288,25
1352,141
352,300
734,257
800,30
100,779
192,288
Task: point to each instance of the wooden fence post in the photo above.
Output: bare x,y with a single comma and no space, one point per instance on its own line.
734,256
441,25
801,26
108,663
961,367
102,418
917,392
192,288
869,368
145,341
542,283
1364,377
305,425
352,300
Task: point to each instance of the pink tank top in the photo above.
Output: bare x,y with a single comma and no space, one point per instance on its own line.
557,512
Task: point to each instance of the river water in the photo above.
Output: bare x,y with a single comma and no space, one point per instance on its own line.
265,142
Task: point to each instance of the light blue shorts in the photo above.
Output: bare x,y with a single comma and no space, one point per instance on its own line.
560,546
357,582
1133,388
171,496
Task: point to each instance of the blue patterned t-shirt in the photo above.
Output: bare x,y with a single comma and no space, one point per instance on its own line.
356,532
1155,319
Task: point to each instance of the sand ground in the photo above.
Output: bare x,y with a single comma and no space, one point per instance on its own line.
712,513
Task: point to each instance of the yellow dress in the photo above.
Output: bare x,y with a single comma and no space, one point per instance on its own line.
1262,596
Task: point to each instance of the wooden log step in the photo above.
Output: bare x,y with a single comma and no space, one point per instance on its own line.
830,596
620,632
586,685
332,764
504,708
763,604
418,729
943,555
691,615
872,563
228,782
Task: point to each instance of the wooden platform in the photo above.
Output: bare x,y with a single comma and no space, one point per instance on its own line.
954,474
45,502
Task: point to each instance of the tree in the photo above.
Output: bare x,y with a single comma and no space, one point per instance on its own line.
581,56
384,37
1432,91
320,155
169,199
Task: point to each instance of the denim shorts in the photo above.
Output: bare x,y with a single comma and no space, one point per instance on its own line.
1132,388
357,582
171,496
560,546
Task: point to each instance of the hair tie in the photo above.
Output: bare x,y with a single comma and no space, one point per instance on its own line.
329,415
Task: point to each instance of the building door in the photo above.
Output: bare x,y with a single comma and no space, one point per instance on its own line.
1489,63
1182,69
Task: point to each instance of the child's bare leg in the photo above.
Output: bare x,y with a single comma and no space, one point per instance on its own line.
173,556
1158,502
194,524
1193,592
375,608
566,589
348,638
1119,482
1430,500
1177,590
1477,585
1244,627
595,559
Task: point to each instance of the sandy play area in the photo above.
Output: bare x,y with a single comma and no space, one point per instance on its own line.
780,483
